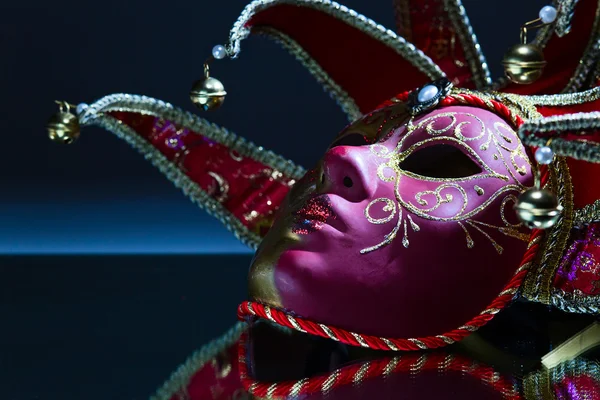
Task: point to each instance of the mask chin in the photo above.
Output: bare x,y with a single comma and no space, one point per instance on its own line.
276,354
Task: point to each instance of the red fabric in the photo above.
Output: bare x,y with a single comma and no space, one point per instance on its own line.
432,32
563,54
579,270
250,190
584,176
368,70
578,387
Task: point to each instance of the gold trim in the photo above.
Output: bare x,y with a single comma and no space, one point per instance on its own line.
335,91
416,57
179,379
95,114
538,282
588,214
537,386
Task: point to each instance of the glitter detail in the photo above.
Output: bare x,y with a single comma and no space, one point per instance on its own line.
413,225
405,242
470,242
579,269
313,215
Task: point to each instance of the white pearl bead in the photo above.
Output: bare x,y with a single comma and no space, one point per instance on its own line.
427,93
219,52
548,14
544,155
81,107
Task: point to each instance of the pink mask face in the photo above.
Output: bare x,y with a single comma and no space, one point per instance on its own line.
409,236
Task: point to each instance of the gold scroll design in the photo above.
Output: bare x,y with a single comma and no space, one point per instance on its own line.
496,138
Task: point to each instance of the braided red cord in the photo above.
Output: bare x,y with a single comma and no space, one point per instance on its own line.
251,309
410,363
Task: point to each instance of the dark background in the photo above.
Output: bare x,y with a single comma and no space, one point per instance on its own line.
98,195
109,326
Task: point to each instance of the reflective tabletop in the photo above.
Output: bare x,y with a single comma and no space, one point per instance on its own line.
121,327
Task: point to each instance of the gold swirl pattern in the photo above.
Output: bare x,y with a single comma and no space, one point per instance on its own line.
499,138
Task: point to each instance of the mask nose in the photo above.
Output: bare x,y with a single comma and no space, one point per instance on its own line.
345,172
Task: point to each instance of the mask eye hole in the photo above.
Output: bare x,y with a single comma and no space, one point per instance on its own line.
350,139
440,161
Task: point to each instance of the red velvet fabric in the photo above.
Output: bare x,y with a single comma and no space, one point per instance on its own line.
368,70
584,176
579,270
250,190
432,32
563,53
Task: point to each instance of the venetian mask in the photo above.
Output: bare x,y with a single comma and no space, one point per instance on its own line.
404,237
401,216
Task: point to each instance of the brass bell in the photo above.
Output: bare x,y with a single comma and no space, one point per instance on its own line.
538,208
63,127
524,63
208,93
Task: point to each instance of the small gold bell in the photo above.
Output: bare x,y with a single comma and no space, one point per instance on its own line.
538,208
208,93
524,63
63,127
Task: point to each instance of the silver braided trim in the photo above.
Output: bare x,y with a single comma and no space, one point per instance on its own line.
575,367
180,378
335,91
588,214
241,31
95,114
473,54
564,124
577,304
158,108
566,99
565,16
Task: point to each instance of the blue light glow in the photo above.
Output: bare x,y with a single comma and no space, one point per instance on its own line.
136,226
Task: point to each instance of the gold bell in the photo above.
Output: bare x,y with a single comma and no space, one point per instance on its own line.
538,208
63,127
207,93
524,63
